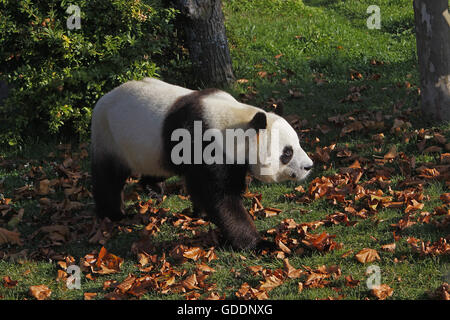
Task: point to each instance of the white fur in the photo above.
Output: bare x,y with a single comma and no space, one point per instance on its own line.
128,121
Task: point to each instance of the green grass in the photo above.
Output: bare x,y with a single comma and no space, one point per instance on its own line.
314,37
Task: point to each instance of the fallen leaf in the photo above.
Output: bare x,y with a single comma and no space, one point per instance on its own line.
40,292
126,284
7,236
350,282
104,263
443,292
291,272
194,253
205,268
270,283
367,255
392,153
388,247
43,188
8,283
89,295
190,282
382,292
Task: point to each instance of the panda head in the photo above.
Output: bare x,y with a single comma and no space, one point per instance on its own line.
280,156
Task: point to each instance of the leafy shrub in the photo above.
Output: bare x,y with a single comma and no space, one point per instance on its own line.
56,75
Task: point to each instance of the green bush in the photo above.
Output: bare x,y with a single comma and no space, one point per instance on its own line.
56,75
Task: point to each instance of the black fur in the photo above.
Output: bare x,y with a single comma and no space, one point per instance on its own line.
153,183
287,155
215,189
108,180
259,121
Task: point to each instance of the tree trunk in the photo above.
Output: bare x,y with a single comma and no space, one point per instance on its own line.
432,21
207,41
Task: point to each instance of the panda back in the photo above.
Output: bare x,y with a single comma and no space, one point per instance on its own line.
127,123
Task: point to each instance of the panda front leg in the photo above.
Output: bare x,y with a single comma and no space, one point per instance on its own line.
236,224
108,180
218,193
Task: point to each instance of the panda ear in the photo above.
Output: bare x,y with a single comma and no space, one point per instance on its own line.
259,121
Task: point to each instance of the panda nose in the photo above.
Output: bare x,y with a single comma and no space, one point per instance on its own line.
308,167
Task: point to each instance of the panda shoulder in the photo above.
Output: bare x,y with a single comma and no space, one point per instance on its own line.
222,95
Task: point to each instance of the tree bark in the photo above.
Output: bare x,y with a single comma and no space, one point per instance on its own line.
432,21
207,41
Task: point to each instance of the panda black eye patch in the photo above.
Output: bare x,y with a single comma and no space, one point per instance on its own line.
287,155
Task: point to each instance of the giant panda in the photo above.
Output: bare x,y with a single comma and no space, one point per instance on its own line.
132,133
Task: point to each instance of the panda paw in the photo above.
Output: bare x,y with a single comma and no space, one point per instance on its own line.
265,245
112,216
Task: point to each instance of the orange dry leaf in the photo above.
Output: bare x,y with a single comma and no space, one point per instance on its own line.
291,272
443,292
413,205
428,173
283,247
439,247
316,280
7,236
388,247
322,242
367,255
356,125
262,74
246,292
205,268
382,292
346,254
270,212
126,284
144,259
89,295
190,282
270,283
8,283
215,296
104,263
40,292
445,158
392,153
57,234
255,270
43,188
61,275
350,282
194,253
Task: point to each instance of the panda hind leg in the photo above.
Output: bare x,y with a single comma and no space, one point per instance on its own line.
108,179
